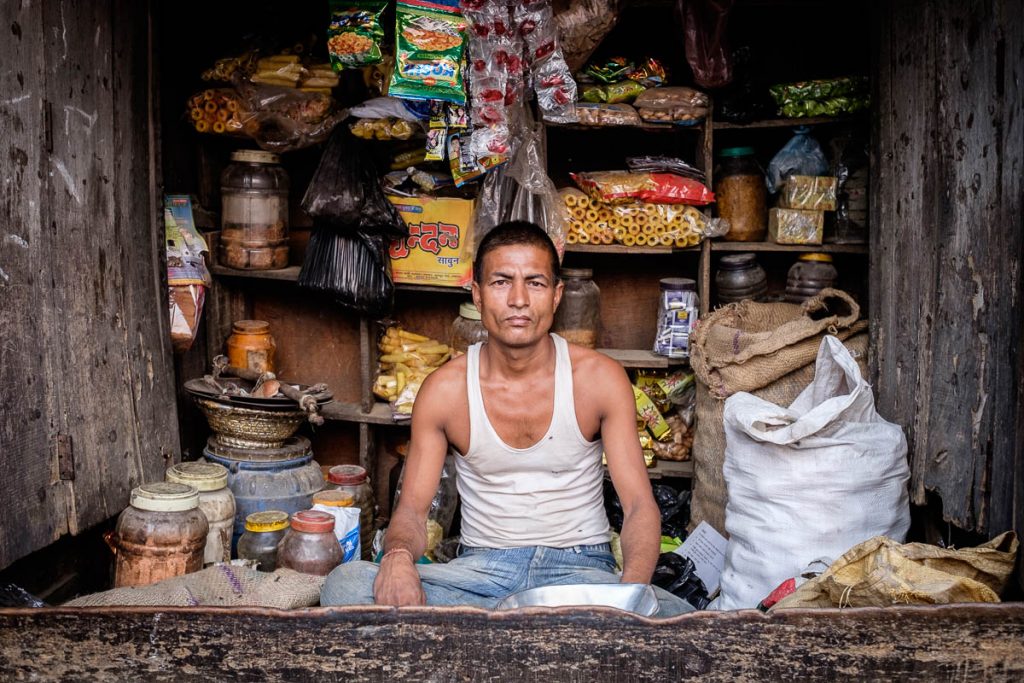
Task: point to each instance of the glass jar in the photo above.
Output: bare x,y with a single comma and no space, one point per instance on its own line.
251,346
161,534
741,195
578,318
678,308
215,501
467,329
254,212
339,505
808,276
309,546
353,480
446,498
740,277
263,533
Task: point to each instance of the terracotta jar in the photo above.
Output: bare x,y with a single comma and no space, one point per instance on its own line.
161,534
251,346
215,501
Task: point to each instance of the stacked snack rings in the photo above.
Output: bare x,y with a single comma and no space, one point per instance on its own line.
637,224
215,111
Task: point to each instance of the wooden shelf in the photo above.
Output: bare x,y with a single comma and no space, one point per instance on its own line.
380,414
671,468
771,246
786,123
622,249
291,274
647,127
640,358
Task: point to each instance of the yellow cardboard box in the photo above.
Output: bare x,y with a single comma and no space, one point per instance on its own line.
438,248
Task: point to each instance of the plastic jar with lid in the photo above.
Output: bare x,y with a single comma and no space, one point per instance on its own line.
808,276
161,534
678,308
339,504
740,277
467,329
741,194
252,346
309,546
215,501
578,318
353,480
263,533
254,212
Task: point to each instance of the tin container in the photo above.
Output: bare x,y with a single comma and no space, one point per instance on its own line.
215,501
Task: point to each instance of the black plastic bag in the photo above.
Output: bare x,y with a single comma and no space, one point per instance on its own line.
13,595
673,505
746,98
707,49
678,575
345,192
352,267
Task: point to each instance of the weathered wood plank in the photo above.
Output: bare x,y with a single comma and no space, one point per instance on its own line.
34,491
965,642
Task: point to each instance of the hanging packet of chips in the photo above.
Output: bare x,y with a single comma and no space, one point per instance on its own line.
431,40
354,34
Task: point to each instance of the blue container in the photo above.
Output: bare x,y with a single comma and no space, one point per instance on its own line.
287,485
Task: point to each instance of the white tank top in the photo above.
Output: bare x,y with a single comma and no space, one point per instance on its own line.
550,494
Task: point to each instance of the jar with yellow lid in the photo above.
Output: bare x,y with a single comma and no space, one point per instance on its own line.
263,533
251,346
341,505
809,275
215,501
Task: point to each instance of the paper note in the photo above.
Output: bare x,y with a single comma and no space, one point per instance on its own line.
706,547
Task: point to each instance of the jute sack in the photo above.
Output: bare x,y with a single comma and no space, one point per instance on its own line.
765,349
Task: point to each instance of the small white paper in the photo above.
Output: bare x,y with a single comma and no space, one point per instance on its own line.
706,547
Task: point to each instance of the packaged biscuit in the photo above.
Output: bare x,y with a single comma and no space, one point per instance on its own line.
619,187
794,226
809,192
431,40
354,34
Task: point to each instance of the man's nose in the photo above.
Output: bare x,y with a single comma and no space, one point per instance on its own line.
517,295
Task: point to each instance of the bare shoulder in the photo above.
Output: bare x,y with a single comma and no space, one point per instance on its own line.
447,383
595,367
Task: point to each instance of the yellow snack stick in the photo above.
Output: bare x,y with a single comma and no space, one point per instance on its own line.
395,358
400,382
412,336
434,347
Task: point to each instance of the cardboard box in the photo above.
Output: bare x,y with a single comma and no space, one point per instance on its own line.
438,250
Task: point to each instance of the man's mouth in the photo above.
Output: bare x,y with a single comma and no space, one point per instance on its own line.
518,320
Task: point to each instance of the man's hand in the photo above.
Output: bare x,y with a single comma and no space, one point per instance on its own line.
398,582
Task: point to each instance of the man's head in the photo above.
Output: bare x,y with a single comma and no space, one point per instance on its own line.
516,284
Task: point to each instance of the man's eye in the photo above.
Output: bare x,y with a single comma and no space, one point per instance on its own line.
536,284
499,282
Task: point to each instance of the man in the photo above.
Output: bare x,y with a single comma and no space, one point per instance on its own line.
527,416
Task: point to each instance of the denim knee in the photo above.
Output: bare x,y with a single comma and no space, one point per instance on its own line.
350,584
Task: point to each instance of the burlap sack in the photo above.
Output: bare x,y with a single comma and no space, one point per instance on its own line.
880,572
765,349
218,586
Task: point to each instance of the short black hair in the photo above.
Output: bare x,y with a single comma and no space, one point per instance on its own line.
512,233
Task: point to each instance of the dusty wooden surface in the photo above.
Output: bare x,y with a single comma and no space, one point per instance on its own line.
947,240
967,642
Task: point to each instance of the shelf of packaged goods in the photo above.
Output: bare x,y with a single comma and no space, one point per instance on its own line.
786,123
380,413
291,274
640,358
622,249
771,246
646,127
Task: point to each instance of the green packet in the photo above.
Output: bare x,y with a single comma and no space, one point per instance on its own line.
355,33
832,106
431,40
845,86
650,415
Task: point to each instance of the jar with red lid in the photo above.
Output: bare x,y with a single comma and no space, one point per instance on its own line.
353,480
309,546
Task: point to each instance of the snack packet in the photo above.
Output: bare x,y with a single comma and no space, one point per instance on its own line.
431,39
354,34
617,187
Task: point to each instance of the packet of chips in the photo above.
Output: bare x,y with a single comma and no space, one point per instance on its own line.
354,34
431,38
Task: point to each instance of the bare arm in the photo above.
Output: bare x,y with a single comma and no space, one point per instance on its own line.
641,526
398,582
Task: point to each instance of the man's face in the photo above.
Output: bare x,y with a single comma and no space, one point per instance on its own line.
516,294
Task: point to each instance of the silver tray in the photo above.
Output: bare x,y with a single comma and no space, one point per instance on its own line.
638,598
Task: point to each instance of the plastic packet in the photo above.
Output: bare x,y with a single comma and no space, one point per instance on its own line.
384,129
230,67
664,164
623,91
217,110
556,89
650,74
535,22
672,104
385,107
354,34
582,26
802,155
795,226
810,193
617,187
848,86
610,70
590,114
705,24
283,119
353,268
665,225
431,38
832,106
281,70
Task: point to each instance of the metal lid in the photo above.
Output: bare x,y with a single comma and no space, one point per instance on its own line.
165,497
294,447
333,498
672,284
250,326
346,475
822,258
468,310
577,273
737,261
255,156
205,476
736,152
271,520
313,521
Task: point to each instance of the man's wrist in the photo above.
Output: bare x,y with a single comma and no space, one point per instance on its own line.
399,551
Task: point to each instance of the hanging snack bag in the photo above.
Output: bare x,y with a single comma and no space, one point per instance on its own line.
354,34
431,39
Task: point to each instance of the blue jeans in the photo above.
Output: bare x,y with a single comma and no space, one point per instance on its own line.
482,577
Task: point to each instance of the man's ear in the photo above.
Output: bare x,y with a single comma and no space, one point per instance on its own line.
559,289
476,294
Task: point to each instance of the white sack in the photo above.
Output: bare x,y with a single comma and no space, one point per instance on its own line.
812,480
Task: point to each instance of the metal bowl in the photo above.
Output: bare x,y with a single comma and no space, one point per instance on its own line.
238,427
638,598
